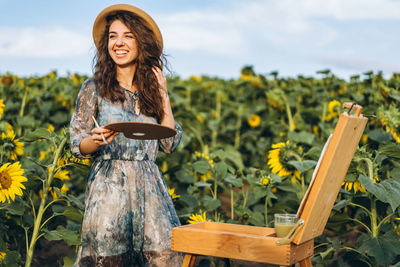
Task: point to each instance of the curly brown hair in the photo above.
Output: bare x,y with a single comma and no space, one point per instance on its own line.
149,55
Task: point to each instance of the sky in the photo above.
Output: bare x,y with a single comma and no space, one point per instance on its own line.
213,37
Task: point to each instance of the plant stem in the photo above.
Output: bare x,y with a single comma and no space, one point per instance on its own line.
21,111
292,126
214,134
245,198
363,224
38,220
232,204
266,211
384,220
364,208
324,112
188,97
374,227
238,126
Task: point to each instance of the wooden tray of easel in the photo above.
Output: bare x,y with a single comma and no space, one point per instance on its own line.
260,244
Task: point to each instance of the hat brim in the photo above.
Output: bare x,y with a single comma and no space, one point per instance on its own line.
100,22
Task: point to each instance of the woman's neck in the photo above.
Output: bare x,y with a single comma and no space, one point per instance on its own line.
125,76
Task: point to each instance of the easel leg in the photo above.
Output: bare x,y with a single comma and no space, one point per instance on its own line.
189,260
306,263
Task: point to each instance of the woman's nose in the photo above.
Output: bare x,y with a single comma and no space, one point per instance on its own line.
119,41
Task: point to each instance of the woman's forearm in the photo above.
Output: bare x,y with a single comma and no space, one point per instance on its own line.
168,119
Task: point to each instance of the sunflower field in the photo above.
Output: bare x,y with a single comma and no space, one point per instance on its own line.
248,151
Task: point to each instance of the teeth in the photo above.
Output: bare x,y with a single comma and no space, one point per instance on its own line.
121,52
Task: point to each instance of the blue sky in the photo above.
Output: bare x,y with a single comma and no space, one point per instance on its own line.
212,37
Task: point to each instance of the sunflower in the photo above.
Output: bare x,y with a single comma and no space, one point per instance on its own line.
50,128
196,218
11,146
1,108
64,189
171,192
278,157
195,78
355,185
265,181
2,255
391,130
254,120
11,181
206,157
332,108
200,118
205,177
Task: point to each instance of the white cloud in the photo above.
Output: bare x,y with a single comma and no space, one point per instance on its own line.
284,22
200,31
361,64
42,42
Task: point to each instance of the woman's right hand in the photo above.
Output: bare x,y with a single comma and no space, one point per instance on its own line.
98,133
92,143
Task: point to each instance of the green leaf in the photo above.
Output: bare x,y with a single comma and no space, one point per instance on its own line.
60,117
12,259
230,179
301,137
395,173
390,149
253,180
68,262
275,178
70,237
41,133
201,166
288,188
379,136
184,176
257,219
220,154
259,192
387,191
26,121
221,168
15,208
383,248
341,204
189,200
303,166
213,124
211,204
202,184
234,156
71,198
73,214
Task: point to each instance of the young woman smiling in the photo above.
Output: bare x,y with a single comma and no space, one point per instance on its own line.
128,211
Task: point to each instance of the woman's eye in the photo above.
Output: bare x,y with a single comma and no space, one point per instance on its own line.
111,36
129,36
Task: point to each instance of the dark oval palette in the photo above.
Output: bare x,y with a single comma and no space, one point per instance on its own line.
141,130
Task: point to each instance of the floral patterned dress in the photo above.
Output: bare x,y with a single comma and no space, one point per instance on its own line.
129,213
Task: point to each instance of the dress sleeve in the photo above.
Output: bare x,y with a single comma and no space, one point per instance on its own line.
81,122
169,144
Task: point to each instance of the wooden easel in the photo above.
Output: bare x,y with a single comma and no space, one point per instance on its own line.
260,244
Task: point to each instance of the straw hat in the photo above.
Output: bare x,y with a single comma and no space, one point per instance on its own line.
100,22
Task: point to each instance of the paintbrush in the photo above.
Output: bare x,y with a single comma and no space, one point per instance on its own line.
97,125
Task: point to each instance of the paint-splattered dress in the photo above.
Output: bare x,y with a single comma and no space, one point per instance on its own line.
129,213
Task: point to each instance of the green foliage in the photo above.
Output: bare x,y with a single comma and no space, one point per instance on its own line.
221,166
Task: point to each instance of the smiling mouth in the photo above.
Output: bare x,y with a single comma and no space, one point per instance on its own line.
121,53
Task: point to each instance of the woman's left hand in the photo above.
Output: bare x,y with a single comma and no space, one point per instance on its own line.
162,81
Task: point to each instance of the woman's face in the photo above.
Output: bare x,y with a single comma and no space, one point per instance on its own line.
122,45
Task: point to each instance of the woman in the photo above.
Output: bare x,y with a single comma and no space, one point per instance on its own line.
129,213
